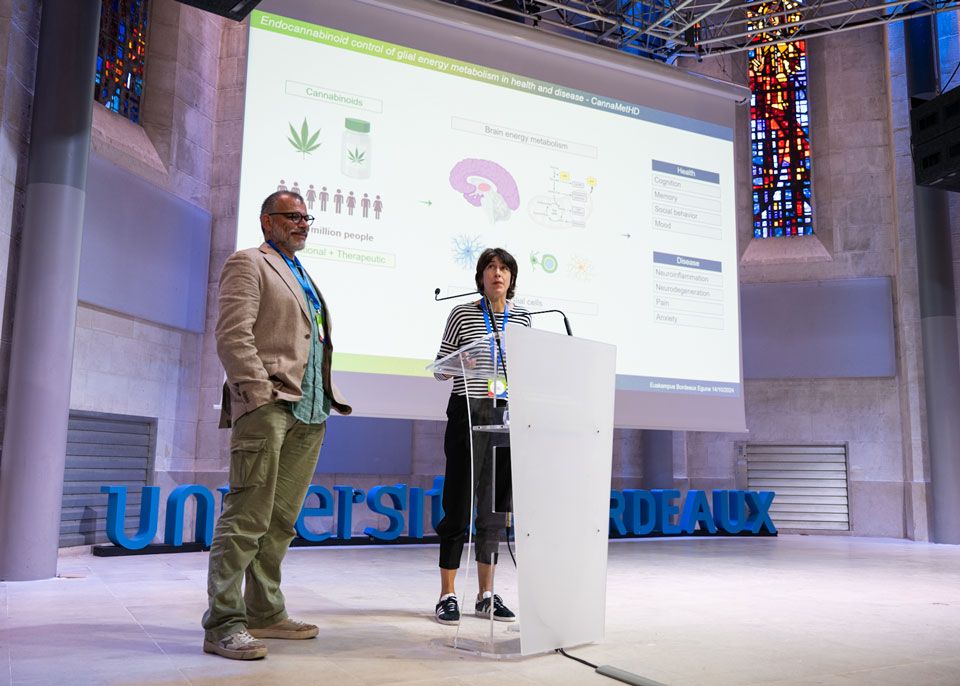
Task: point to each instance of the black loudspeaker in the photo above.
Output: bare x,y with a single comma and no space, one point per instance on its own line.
231,9
935,141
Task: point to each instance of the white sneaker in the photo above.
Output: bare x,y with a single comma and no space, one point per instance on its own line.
238,646
286,628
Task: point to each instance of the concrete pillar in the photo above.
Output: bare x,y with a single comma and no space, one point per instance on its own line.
938,315
657,459
38,390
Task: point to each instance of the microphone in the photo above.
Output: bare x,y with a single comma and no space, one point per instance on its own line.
437,298
566,322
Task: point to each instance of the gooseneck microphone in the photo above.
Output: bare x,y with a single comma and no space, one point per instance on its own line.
566,322
436,295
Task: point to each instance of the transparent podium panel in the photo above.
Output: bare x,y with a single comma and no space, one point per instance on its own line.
490,491
545,462
474,361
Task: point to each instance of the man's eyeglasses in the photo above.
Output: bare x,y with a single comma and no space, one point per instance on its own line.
295,217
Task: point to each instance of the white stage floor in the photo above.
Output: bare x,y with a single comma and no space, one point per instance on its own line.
831,611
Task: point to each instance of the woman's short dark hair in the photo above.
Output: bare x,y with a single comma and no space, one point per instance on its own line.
486,257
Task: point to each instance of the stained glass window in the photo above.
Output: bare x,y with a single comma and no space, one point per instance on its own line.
779,126
120,56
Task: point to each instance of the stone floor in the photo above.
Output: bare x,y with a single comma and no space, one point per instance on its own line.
797,610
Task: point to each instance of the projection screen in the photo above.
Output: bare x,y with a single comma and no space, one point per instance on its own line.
420,134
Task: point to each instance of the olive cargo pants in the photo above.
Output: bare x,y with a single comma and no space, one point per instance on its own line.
272,459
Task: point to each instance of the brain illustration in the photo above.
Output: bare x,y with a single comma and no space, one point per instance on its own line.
463,179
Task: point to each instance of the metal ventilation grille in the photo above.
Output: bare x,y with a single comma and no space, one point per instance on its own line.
103,450
810,482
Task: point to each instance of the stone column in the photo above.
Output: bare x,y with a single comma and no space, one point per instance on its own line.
657,459
938,314
38,390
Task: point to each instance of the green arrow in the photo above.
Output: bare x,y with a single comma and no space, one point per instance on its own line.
426,202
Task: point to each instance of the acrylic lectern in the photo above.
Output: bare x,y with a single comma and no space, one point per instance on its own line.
560,392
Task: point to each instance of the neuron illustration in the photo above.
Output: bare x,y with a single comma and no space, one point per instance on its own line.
580,268
545,261
466,249
487,185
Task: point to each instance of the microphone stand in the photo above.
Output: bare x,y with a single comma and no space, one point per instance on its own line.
437,298
566,322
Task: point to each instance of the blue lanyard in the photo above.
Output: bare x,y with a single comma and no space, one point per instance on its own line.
301,275
487,317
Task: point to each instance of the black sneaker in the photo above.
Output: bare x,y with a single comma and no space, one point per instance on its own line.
501,612
448,610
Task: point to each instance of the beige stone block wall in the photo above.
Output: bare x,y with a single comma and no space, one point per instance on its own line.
130,366
907,322
212,451
863,414
860,148
121,365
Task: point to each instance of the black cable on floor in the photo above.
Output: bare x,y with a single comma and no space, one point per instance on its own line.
510,548
566,654
614,672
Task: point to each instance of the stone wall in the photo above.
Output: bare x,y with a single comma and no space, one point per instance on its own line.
909,345
212,452
121,365
125,365
857,235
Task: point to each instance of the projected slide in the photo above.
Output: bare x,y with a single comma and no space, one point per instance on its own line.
412,163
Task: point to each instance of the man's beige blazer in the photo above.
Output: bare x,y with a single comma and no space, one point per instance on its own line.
263,334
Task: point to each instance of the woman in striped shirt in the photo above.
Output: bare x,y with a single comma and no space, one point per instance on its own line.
496,279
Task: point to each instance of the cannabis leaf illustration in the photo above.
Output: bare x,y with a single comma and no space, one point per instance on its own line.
356,156
303,141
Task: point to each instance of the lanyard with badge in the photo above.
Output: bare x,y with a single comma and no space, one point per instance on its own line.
301,276
496,387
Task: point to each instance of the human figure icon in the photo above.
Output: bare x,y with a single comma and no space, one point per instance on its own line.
324,196
296,188
377,207
337,201
311,197
365,205
351,203
282,186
